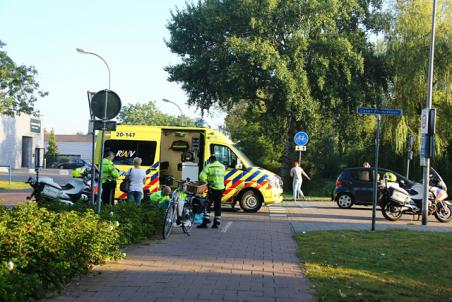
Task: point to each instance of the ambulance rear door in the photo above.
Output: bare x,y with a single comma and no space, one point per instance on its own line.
129,142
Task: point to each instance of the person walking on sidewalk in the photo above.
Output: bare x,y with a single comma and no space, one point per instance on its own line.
213,174
109,176
297,174
137,178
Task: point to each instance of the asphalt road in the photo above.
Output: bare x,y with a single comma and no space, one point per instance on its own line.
23,176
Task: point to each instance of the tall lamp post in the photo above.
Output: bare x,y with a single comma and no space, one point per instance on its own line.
181,114
83,51
426,172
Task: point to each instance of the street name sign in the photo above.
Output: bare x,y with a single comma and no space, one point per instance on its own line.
300,148
382,111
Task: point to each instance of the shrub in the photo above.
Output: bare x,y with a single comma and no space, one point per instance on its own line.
41,248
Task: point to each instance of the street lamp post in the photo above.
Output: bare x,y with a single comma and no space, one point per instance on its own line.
426,172
83,51
181,114
99,200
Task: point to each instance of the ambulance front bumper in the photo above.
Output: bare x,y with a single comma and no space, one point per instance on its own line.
274,195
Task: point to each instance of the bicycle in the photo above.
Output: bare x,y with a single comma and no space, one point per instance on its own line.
179,212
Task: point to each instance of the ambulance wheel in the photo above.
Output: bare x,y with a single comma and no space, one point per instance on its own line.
250,202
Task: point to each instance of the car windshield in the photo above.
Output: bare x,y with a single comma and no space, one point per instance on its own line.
406,181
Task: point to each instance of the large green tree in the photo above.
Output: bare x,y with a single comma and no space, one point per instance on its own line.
149,114
407,43
299,64
19,89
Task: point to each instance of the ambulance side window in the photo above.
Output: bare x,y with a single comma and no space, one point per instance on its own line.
224,155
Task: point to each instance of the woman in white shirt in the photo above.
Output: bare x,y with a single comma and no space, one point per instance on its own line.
297,173
137,178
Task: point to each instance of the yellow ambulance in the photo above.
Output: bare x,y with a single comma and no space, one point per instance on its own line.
182,152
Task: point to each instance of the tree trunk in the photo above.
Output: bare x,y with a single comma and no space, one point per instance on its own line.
287,155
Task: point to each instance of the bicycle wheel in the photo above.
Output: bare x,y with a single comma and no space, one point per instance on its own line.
189,217
168,222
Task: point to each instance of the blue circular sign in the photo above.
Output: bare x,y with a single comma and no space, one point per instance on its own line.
301,138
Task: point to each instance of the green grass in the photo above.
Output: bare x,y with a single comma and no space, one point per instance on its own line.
289,197
378,266
14,185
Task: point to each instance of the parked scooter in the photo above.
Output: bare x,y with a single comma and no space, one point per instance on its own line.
396,201
46,188
84,173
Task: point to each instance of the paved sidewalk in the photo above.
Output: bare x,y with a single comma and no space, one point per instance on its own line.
246,260
13,197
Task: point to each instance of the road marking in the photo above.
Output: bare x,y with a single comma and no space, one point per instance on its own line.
277,211
278,215
226,227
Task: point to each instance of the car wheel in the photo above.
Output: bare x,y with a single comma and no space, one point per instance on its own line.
344,201
250,202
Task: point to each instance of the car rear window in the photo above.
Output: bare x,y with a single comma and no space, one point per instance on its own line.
361,175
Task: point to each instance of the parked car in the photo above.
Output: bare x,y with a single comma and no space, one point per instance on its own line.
73,164
354,186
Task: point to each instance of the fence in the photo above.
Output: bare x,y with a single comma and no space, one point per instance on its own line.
9,171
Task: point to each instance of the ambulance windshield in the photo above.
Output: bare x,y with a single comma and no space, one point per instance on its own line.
247,161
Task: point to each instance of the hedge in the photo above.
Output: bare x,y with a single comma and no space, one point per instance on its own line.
43,246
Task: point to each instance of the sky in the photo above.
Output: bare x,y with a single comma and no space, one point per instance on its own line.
129,35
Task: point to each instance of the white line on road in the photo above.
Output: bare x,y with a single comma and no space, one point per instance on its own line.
226,227
278,215
277,211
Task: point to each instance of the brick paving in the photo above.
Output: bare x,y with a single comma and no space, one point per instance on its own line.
254,259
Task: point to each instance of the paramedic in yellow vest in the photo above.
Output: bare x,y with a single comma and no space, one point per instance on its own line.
161,198
109,176
213,174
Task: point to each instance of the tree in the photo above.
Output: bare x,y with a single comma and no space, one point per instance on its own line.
407,44
52,149
18,87
149,114
244,127
296,63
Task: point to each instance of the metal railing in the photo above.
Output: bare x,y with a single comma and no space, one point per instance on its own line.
9,171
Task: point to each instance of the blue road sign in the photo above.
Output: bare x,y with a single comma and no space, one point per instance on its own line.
382,111
301,138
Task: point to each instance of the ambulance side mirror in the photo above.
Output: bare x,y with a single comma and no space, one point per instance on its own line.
239,165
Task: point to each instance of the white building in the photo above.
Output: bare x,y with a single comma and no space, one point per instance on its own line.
20,135
77,145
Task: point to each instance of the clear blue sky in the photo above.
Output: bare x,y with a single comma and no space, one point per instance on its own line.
129,35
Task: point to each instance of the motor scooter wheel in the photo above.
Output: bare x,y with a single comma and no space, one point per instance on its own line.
391,211
443,214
